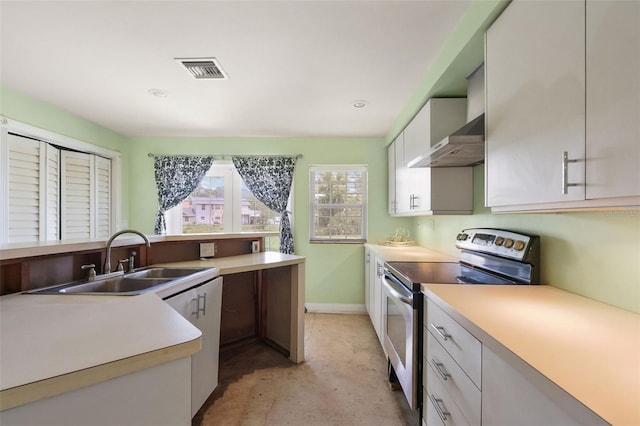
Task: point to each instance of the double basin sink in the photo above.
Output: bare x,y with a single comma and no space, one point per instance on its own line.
133,283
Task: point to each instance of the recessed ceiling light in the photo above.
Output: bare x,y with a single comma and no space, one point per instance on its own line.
159,93
360,104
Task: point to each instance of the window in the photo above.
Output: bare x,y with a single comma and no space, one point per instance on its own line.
57,188
224,204
338,197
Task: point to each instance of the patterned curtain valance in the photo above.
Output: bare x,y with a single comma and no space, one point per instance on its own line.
176,178
269,178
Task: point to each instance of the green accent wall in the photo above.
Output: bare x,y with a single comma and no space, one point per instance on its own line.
28,110
595,254
334,272
460,56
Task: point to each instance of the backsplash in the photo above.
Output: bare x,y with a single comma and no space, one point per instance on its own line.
595,254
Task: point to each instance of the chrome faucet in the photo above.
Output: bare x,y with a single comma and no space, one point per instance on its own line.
107,261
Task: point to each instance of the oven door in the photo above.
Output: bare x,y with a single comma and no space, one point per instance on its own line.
401,335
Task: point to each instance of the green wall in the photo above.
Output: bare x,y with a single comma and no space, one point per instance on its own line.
25,109
595,254
334,272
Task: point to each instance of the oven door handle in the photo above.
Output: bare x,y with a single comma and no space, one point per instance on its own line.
390,286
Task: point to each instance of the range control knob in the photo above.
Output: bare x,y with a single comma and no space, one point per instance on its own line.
499,241
462,236
519,245
508,243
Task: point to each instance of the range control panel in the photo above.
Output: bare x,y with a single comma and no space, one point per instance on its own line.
499,242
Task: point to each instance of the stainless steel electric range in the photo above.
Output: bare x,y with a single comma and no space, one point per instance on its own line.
487,256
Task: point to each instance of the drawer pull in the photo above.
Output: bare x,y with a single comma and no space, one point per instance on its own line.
440,369
441,331
440,408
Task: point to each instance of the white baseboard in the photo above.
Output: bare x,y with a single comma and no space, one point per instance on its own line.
335,308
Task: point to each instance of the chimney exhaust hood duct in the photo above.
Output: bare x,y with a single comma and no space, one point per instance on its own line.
465,146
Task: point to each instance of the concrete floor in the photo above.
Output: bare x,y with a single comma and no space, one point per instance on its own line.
343,381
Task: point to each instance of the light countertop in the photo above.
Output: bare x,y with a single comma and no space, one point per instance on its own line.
242,263
52,344
588,348
45,248
410,254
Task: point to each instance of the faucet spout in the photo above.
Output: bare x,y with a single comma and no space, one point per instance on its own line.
107,261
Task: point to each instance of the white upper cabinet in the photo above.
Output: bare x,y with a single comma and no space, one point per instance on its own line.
437,119
613,98
534,69
545,148
427,191
391,178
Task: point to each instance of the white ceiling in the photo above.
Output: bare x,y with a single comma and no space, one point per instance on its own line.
295,67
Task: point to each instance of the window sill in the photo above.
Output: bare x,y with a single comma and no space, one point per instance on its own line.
337,241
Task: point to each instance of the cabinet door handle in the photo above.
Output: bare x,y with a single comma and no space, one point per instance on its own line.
414,204
565,172
379,271
204,304
196,311
440,408
441,331
440,369
200,310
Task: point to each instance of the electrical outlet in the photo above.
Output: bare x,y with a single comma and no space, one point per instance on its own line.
255,246
207,250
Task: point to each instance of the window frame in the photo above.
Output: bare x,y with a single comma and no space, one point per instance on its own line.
313,204
63,142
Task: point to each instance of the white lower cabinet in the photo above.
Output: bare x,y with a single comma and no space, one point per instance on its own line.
374,274
202,307
442,407
452,379
451,370
468,381
515,394
152,396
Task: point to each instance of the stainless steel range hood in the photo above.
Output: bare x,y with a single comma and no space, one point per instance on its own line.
464,147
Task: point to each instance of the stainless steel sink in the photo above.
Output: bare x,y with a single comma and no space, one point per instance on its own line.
162,272
116,285
136,282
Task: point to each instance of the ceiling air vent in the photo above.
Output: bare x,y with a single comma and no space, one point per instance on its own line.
203,68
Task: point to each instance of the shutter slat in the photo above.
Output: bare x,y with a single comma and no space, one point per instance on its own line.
23,198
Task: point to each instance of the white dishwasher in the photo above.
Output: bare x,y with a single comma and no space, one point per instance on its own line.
202,306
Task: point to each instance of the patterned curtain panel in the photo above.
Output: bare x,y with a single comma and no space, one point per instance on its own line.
176,178
269,179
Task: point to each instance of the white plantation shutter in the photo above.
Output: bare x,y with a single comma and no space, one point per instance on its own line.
23,189
77,194
52,188
103,197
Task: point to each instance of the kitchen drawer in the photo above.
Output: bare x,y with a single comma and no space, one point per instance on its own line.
466,395
450,414
429,415
465,349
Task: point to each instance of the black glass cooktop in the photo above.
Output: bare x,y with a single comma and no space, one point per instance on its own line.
425,272
412,274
